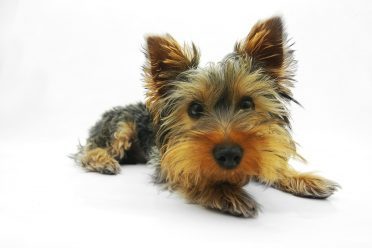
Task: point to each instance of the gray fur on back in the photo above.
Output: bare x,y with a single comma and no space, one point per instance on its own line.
102,132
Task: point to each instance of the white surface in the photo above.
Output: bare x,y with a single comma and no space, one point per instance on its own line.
64,62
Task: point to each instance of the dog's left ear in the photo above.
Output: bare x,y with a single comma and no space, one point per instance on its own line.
166,59
266,46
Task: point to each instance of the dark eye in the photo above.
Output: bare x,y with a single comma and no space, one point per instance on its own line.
246,103
195,110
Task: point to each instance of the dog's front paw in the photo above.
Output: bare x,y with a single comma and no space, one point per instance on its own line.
238,204
227,199
308,185
317,187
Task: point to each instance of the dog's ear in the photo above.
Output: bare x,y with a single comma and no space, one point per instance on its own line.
266,45
166,59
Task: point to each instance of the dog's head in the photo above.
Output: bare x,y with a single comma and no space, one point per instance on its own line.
227,121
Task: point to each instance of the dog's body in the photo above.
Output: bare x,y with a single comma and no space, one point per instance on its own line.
129,128
210,130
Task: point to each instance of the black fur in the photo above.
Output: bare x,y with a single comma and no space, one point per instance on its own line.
102,132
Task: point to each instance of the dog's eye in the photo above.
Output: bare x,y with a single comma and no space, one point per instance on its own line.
195,110
246,103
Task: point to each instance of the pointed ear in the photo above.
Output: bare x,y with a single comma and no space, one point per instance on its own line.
266,44
166,59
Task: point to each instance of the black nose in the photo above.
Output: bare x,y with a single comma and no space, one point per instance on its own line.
228,156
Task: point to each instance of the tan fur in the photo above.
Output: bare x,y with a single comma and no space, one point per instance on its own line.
122,140
99,160
304,184
267,150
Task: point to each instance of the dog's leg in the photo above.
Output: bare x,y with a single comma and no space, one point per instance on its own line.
99,160
306,185
106,159
225,198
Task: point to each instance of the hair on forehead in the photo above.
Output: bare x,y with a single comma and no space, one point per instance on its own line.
219,81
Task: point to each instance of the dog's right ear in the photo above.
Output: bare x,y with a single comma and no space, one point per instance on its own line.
267,45
166,59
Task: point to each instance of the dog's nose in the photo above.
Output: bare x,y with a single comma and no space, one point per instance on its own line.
228,156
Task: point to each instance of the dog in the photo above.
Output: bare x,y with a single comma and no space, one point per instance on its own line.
209,130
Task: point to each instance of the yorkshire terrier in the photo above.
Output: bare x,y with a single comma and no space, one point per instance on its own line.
210,130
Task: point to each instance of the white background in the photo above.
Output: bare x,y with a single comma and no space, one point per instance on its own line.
62,63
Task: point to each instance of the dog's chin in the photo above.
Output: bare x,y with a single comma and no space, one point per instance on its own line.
238,176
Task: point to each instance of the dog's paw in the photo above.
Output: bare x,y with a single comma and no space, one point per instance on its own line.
98,160
232,200
107,169
308,185
317,187
241,206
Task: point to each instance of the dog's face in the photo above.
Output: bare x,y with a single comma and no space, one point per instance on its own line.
228,121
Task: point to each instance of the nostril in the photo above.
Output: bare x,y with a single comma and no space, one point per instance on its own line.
237,159
222,159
